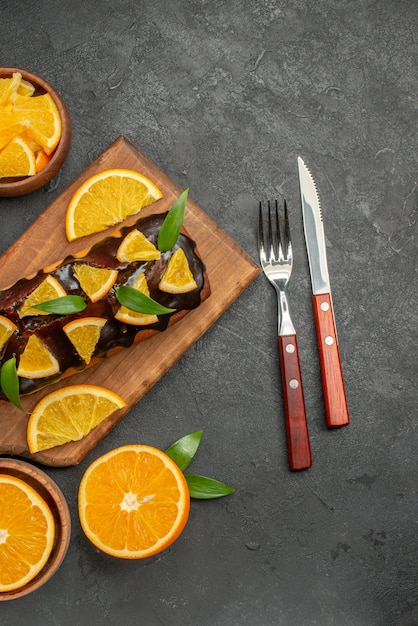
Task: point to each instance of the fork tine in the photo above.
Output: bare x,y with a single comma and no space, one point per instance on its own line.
261,243
287,240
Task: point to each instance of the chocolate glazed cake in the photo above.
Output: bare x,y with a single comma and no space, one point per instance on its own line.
115,335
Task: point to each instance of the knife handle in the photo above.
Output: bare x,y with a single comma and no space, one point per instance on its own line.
329,356
299,448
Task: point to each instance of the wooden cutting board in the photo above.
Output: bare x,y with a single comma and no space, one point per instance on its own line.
133,371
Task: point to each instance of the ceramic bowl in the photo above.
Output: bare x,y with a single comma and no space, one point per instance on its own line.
53,496
21,186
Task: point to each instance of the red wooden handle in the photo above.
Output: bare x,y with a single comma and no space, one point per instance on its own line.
299,448
329,356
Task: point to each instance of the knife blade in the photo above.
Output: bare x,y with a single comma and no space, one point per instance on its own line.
335,400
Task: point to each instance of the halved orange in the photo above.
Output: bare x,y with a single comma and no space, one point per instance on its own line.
69,414
133,502
177,278
107,198
27,533
7,328
36,361
123,314
49,289
96,282
17,159
136,247
84,334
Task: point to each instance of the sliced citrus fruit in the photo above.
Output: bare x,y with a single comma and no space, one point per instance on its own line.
84,334
27,533
41,160
136,247
107,198
132,317
7,328
133,502
69,414
36,361
9,87
42,113
11,131
48,289
17,159
25,88
177,278
96,282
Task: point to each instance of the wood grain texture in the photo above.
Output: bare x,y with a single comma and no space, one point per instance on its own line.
336,409
131,372
298,444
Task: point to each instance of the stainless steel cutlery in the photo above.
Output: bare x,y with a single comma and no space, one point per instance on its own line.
276,259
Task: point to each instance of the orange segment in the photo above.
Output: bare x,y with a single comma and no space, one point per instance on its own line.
131,317
36,361
69,414
107,198
42,114
27,533
9,87
177,278
96,282
84,334
7,328
136,247
11,131
49,289
133,502
17,159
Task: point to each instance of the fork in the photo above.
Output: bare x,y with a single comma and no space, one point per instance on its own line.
276,258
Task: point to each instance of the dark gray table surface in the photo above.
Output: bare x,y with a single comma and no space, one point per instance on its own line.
223,97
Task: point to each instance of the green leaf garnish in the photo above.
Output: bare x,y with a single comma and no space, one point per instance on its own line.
171,227
183,450
204,488
63,305
10,382
137,301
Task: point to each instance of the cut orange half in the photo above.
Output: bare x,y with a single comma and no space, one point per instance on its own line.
7,328
69,414
84,333
132,317
107,198
177,278
133,502
48,289
136,247
96,282
17,159
27,533
36,361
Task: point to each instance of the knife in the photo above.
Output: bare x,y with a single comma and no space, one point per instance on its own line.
336,409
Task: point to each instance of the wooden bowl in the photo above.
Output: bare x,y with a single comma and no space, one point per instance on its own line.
54,498
21,186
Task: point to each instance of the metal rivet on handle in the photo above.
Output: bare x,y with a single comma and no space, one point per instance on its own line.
324,306
293,383
290,348
329,340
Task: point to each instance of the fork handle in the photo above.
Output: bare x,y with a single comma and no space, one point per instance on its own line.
336,409
299,448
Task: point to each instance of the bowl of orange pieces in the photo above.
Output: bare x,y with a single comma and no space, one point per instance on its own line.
35,131
35,528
